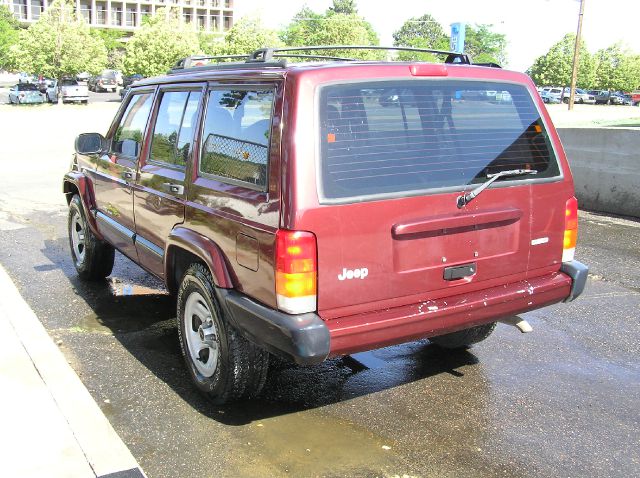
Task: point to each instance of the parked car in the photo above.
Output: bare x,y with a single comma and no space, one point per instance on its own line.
617,98
70,90
25,93
627,100
320,222
106,81
83,77
602,97
635,98
127,80
580,97
549,97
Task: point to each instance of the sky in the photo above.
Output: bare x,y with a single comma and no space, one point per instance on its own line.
530,26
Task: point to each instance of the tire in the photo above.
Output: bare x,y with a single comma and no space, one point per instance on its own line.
227,367
92,257
464,338
565,101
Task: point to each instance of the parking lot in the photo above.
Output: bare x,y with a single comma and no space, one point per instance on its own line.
561,401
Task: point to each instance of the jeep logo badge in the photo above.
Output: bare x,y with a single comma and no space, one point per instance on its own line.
353,274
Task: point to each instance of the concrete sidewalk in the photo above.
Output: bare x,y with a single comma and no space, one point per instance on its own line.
50,426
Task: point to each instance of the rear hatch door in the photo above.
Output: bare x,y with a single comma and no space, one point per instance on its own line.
395,157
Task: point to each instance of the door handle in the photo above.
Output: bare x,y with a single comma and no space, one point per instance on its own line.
173,188
128,175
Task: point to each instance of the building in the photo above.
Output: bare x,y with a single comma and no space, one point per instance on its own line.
215,16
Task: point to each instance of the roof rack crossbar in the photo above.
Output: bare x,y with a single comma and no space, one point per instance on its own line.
266,54
266,57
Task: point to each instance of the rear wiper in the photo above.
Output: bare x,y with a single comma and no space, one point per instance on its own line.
465,199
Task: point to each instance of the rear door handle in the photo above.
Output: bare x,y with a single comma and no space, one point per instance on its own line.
177,189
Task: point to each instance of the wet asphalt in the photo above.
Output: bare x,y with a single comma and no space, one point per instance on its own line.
562,401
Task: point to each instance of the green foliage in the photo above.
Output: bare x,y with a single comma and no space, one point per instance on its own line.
245,36
616,69
421,32
308,28
159,44
115,45
555,67
59,44
485,46
347,7
9,29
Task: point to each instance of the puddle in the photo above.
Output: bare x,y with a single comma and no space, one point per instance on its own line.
124,289
310,444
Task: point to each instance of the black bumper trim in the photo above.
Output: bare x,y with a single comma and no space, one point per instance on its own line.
578,273
302,338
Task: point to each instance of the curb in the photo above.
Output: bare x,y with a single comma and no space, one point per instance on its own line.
104,452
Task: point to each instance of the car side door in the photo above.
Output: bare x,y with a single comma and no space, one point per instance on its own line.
116,171
159,197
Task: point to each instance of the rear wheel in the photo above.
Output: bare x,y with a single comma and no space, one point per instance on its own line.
223,365
92,257
464,338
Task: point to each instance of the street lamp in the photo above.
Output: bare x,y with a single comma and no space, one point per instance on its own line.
576,54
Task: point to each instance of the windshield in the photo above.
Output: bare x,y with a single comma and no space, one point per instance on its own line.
402,136
67,82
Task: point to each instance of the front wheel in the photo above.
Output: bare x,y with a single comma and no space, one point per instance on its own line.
92,257
464,338
222,364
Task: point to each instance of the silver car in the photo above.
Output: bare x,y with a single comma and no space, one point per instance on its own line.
25,93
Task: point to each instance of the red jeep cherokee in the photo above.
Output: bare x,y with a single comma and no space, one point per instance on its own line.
318,209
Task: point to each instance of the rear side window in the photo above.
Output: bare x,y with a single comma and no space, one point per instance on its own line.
397,137
173,131
236,135
130,132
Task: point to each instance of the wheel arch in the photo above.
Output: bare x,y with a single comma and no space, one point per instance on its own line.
75,182
185,246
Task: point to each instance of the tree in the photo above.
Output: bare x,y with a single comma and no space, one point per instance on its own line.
616,69
485,46
59,44
8,35
159,44
245,36
113,42
308,28
421,32
348,7
555,67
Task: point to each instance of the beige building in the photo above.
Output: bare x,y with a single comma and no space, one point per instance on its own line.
214,16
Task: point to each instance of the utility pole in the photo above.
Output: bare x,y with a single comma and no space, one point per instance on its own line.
576,55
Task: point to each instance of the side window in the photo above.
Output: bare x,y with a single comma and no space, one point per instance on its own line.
173,131
128,137
236,135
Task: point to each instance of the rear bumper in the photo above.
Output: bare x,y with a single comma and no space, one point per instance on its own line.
441,316
307,339
578,273
302,338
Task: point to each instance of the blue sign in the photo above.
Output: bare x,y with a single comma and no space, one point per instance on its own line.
457,37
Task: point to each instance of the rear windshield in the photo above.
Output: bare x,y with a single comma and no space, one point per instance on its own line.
409,136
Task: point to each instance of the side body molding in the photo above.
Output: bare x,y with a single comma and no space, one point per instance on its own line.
85,189
202,247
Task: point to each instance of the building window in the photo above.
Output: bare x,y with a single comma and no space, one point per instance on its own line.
131,16
228,22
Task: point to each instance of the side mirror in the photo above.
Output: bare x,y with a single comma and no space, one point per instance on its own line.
90,143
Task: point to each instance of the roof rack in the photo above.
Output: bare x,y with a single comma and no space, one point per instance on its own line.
275,57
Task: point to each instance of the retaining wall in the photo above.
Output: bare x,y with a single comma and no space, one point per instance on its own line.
605,163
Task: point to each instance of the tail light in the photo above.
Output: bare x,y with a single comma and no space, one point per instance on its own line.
570,230
296,271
